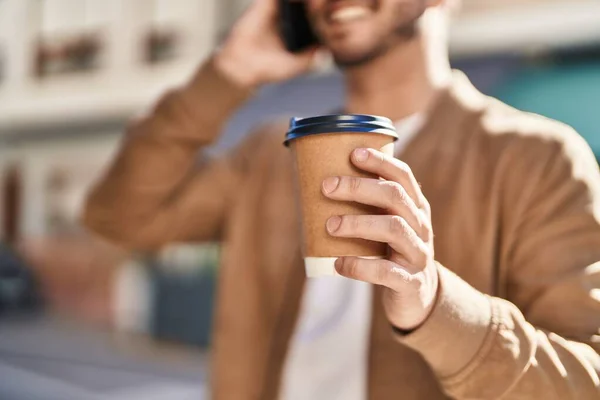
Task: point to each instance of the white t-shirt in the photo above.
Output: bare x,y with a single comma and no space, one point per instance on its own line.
327,359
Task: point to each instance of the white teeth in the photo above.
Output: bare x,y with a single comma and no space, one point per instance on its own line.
349,13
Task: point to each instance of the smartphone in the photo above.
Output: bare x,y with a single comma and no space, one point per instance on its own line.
296,31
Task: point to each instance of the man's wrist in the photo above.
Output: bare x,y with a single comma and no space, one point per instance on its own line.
402,331
403,323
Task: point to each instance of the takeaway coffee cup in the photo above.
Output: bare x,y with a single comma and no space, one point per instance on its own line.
321,147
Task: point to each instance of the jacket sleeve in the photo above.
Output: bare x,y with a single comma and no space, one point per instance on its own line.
542,341
157,189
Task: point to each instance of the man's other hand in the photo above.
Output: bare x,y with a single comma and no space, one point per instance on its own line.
254,54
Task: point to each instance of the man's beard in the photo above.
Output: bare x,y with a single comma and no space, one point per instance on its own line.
404,33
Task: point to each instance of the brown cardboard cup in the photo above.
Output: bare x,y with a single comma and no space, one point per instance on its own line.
317,156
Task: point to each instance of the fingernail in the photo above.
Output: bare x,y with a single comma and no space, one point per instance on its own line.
333,224
330,184
361,155
338,264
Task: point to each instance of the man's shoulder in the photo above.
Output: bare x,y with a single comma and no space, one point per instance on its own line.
499,120
535,137
526,142
522,142
498,125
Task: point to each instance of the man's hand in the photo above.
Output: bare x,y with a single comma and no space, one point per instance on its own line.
410,273
254,54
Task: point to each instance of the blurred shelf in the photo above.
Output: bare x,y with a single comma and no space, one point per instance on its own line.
527,28
78,99
145,46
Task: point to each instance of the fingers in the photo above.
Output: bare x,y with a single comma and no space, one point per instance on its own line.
387,195
378,272
392,230
389,168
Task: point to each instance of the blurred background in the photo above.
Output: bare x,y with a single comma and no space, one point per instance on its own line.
81,319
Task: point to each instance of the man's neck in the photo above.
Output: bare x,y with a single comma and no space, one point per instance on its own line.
397,84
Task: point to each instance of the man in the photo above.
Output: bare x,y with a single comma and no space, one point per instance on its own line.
511,198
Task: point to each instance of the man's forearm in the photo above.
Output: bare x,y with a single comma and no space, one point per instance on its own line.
158,155
482,347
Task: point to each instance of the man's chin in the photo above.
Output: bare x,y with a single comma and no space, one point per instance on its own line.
355,59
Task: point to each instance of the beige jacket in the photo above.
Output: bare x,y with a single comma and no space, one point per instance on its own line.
516,216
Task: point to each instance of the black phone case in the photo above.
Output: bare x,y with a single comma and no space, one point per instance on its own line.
296,31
